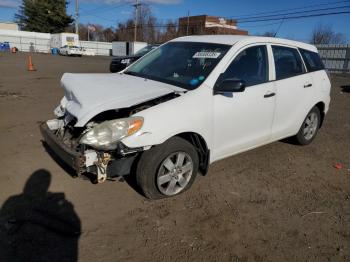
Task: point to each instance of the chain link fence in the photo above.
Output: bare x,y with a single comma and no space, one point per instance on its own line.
99,48
336,58
28,44
41,43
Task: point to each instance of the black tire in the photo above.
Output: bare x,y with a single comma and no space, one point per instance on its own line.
151,161
301,138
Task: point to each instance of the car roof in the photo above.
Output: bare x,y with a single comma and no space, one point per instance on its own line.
233,39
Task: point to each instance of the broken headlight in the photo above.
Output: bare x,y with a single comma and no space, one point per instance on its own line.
105,136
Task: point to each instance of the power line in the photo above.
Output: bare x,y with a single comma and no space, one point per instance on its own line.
255,18
277,13
290,9
296,17
293,13
288,16
272,19
103,9
262,25
105,19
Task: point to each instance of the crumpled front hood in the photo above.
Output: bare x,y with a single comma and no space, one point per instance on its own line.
87,95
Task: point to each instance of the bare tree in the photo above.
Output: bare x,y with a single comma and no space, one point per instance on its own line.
82,31
147,30
324,34
109,34
146,24
170,32
125,31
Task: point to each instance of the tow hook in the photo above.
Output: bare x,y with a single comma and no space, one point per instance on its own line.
101,163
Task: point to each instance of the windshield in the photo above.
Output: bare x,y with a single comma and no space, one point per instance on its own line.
184,64
145,50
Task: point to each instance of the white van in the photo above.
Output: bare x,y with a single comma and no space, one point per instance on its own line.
187,104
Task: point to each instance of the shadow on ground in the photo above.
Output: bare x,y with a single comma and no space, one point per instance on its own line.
38,225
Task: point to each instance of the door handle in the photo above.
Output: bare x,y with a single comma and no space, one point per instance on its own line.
269,95
307,85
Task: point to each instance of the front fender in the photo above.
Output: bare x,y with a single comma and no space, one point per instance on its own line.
191,112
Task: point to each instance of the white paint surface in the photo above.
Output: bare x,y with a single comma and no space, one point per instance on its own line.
229,125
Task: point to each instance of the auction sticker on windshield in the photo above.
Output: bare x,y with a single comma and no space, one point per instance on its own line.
212,55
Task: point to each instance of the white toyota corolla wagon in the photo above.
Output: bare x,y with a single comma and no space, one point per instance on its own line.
187,104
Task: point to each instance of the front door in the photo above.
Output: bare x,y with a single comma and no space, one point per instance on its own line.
244,120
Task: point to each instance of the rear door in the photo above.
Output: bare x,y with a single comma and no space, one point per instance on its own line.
294,91
316,68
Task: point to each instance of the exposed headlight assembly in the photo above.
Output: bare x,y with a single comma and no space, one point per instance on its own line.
105,136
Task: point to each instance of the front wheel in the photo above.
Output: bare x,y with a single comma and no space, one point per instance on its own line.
168,169
309,128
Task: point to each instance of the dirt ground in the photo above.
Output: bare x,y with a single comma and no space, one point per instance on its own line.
281,202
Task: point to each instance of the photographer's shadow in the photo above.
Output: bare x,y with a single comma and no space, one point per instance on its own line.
38,225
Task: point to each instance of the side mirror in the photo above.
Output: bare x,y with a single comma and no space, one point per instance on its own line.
231,85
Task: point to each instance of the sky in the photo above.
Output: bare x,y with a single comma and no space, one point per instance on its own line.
109,12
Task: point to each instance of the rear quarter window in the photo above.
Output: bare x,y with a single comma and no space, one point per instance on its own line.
312,60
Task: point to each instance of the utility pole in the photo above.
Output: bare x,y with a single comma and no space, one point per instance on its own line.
76,16
188,22
137,4
88,29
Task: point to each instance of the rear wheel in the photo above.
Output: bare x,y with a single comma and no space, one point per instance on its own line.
309,128
168,169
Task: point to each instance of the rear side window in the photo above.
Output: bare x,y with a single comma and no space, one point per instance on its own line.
312,60
288,62
251,65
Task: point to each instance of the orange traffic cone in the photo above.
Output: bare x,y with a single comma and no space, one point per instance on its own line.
30,64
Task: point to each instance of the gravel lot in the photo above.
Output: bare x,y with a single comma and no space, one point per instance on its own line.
281,202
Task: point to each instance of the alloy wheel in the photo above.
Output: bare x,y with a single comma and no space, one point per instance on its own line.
174,173
310,126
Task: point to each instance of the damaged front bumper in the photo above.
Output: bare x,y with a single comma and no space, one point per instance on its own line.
104,165
72,158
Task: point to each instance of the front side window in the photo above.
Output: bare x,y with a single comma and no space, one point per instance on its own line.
251,66
288,62
312,60
183,64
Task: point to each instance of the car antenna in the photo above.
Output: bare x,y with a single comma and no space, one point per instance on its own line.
279,27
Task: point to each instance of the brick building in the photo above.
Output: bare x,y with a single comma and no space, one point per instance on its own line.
209,25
